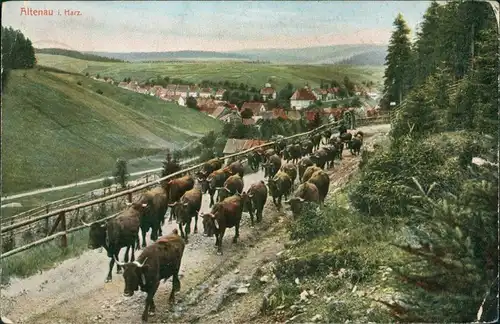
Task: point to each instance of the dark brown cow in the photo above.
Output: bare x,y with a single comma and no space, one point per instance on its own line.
233,185
254,160
293,153
176,188
327,134
186,208
307,191
160,260
209,167
355,146
291,170
316,139
116,233
215,180
309,172
255,199
304,163
237,168
280,185
268,153
346,137
272,166
331,154
322,181
307,147
225,214
319,157
153,216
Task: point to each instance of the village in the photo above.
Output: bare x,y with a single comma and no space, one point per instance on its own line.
210,101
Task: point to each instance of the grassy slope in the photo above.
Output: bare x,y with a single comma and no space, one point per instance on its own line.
53,127
252,74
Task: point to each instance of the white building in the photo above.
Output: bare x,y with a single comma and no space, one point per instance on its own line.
302,98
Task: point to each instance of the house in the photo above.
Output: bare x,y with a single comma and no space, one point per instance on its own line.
230,117
256,107
332,93
302,98
279,113
234,145
220,112
293,115
248,121
179,100
207,105
220,93
171,89
205,93
182,90
321,93
268,93
194,91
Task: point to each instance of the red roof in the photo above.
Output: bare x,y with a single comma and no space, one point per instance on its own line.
267,91
280,113
303,94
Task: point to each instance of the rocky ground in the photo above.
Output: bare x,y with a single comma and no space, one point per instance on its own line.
215,289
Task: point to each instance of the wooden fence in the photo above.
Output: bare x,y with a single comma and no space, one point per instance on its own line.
63,217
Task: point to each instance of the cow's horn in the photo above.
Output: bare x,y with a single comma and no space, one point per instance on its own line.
128,203
250,195
287,201
121,264
185,204
172,205
219,188
88,225
145,205
139,265
227,190
301,199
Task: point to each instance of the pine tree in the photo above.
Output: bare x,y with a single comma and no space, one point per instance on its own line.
170,165
398,72
121,174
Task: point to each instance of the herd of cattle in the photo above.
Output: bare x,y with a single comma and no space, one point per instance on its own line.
162,259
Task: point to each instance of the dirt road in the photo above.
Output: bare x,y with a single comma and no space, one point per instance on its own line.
75,292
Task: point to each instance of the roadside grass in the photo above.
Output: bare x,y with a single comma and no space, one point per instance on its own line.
343,261
43,257
239,72
56,131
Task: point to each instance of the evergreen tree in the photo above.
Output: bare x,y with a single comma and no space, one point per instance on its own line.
397,72
120,174
170,165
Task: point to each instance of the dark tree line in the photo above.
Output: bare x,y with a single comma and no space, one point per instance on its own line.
17,52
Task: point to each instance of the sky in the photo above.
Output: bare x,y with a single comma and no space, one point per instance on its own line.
221,26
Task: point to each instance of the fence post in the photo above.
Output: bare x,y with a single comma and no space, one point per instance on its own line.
64,238
78,211
46,220
129,197
147,177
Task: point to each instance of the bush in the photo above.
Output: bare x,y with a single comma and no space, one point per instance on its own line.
311,223
99,91
79,83
107,182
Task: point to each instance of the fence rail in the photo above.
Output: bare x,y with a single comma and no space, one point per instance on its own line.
61,220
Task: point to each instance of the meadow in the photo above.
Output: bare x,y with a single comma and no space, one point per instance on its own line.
57,129
240,72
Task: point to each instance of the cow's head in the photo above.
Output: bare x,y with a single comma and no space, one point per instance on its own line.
295,205
134,276
210,225
246,200
138,205
180,209
97,235
223,193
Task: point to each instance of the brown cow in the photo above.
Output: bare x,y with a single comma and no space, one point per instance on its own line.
116,233
233,184
272,166
304,163
176,188
225,214
322,181
319,157
186,208
307,191
255,199
280,185
309,172
291,170
160,260
237,168
154,215
316,139
209,167
213,181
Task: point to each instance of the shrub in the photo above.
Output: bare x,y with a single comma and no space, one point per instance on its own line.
79,83
107,182
99,91
311,223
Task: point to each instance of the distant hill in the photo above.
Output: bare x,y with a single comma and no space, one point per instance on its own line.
57,129
177,55
376,58
311,55
76,54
